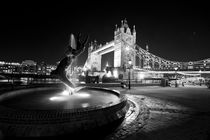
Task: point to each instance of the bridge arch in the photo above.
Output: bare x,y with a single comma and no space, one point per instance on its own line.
151,64
156,65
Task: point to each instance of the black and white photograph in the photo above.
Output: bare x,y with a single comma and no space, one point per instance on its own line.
105,70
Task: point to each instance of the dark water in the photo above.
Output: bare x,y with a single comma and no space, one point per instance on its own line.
47,99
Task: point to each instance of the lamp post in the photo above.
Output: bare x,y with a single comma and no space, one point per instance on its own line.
129,73
200,77
200,73
176,85
204,66
127,48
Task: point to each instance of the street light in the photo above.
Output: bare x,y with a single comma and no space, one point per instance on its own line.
200,72
204,66
176,85
200,77
127,48
129,72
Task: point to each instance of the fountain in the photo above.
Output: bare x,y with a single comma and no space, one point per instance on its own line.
54,111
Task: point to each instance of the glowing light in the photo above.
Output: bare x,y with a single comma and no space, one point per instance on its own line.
85,69
107,64
73,42
84,105
65,93
115,73
109,74
69,89
57,98
141,76
53,98
83,74
127,48
129,62
83,95
76,89
64,96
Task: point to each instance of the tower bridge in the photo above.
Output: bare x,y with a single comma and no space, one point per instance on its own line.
124,49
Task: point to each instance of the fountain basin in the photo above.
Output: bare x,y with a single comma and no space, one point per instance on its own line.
50,111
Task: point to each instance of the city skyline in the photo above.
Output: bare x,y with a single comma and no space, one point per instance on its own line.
178,32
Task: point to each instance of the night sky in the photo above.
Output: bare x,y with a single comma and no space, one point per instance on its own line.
40,32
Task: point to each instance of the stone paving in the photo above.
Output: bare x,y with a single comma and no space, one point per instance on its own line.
135,119
159,118
157,113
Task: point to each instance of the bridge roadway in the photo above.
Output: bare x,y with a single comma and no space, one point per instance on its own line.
183,72
174,113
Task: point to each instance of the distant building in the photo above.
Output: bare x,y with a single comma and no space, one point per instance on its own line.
29,67
26,67
49,69
10,67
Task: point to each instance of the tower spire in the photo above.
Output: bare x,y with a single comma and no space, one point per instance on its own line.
134,30
125,23
121,23
115,27
147,48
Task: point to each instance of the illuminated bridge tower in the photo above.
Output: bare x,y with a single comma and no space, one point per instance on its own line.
115,53
123,48
124,41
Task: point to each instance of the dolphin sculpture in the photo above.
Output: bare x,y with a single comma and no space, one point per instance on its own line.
75,48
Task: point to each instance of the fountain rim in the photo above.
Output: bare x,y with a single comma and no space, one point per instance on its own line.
18,121
123,100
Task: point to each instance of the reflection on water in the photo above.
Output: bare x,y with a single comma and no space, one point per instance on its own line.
66,94
57,98
83,95
60,99
84,105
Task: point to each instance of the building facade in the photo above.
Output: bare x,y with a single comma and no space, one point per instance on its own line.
26,67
